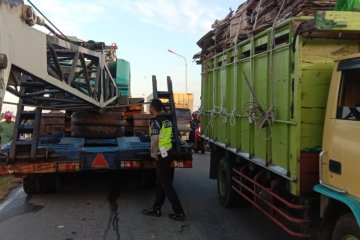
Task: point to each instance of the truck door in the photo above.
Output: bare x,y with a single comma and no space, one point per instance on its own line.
340,160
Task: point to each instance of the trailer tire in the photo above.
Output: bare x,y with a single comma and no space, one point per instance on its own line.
228,197
98,119
31,184
96,132
346,228
49,183
148,178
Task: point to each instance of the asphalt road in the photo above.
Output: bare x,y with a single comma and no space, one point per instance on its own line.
105,206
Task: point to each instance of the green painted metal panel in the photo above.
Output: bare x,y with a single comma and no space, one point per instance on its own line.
261,87
244,96
281,77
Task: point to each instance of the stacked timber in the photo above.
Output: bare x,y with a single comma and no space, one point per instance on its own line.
53,123
252,17
142,123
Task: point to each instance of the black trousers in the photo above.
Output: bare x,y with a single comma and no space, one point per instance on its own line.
164,187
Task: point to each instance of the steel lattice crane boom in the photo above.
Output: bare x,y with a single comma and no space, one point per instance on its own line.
51,71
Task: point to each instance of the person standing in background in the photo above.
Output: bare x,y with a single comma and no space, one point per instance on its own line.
6,129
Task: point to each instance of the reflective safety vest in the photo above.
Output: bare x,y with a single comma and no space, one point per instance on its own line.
165,135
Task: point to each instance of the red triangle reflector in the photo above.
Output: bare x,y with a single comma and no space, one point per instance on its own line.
100,161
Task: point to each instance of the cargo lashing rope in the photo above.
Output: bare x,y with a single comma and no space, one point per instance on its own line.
256,112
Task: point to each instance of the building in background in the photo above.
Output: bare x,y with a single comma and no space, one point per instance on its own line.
182,100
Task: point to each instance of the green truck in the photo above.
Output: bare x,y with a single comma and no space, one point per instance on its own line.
271,105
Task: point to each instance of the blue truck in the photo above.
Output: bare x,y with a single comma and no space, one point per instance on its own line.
77,141
75,112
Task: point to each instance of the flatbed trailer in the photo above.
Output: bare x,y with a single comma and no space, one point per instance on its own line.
79,154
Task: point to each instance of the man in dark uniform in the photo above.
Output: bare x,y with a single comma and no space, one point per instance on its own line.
162,151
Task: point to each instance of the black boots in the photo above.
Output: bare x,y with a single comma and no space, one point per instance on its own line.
155,212
178,217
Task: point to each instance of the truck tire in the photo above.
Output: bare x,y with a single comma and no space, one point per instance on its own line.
96,132
346,228
148,178
228,197
31,184
49,183
98,119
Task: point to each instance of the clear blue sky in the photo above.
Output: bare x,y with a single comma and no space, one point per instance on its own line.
143,30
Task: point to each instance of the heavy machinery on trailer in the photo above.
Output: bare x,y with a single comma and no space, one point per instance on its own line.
274,103
87,89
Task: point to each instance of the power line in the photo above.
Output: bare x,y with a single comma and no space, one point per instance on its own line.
43,15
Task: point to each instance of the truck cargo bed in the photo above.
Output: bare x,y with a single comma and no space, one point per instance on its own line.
265,98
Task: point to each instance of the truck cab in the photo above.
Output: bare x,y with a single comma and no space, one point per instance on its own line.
339,160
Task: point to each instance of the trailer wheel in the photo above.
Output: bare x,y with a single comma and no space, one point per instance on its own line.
31,184
148,178
346,228
228,197
98,119
96,132
49,183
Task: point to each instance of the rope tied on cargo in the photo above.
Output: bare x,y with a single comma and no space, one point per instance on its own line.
257,14
256,112
204,113
232,117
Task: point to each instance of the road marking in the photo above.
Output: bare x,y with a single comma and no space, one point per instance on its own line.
11,199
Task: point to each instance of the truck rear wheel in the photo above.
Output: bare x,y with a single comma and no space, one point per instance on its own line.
31,184
49,183
97,132
346,228
228,197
